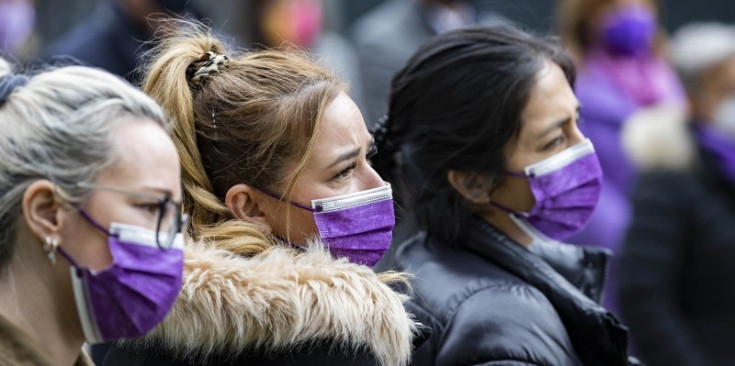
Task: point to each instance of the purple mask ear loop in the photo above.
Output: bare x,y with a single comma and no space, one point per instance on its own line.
292,203
504,208
516,175
92,221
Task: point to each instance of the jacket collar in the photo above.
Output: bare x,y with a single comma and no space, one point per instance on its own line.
280,299
583,267
597,336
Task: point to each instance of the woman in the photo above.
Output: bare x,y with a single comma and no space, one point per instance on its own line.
90,248
676,265
482,126
275,156
618,45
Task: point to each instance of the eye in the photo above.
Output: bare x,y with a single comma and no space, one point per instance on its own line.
371,153
149,207
554,143
579,119
345,173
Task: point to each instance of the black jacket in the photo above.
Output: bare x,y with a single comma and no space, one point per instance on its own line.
490,301
678,264
122,355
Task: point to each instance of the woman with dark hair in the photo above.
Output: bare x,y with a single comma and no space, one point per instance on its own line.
482,140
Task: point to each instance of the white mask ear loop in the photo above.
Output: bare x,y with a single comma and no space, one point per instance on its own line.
527,228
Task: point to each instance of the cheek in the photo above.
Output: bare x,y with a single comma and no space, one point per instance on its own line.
298,228
86,244
515,194
302,226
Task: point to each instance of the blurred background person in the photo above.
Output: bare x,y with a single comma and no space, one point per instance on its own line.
91,185
115,35
618,46
676,267
305,24
17,22
388,35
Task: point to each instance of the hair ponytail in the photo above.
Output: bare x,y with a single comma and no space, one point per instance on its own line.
166,82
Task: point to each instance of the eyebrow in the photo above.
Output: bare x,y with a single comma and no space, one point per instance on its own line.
346,156
162,191
351,154
558,124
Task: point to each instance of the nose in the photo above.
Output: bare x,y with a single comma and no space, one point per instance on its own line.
371,179
575,135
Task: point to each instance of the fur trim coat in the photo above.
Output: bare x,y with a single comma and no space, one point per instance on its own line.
274,303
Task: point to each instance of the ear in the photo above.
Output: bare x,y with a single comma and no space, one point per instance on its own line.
41,209
246,204
474,187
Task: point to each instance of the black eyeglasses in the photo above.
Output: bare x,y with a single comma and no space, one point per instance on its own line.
170,221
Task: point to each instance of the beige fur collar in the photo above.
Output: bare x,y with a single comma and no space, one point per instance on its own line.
280,298
658,138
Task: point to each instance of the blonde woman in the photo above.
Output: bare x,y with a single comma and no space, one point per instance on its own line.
90,190
288,210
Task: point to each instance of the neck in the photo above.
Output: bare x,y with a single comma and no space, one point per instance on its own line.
502,221
38,300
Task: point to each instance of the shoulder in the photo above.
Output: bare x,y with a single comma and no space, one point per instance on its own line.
154,354
444,276
507,322
478,310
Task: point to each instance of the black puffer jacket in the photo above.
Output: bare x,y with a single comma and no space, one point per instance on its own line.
677,263
490,301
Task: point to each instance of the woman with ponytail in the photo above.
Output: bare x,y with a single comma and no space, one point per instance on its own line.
287,216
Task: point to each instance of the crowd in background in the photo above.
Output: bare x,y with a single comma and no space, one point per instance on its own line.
658,105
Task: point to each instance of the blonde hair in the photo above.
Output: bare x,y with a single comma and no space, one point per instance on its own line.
245,124
59,126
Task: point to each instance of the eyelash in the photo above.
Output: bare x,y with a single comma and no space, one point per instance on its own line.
344,173
370,154
149,207
555,142
580,119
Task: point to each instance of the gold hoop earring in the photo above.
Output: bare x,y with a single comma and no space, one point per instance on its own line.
50,246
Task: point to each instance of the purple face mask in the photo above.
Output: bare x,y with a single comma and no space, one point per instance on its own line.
722,147
566,187
629,31
135,292
357,226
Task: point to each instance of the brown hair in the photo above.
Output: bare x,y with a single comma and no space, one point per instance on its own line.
573,22
247,124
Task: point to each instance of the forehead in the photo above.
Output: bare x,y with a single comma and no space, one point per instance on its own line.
142,153
342,124
551,96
